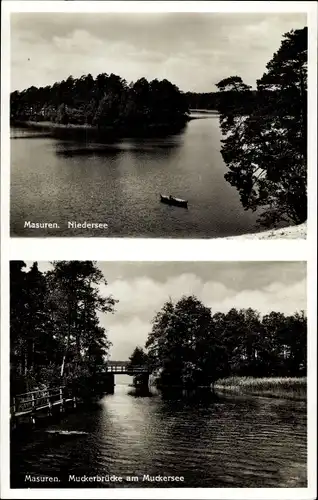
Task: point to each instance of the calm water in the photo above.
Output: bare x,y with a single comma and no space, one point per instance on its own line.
120,183
222,442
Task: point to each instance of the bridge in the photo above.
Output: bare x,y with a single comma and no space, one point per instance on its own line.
107,374
123,367
57,399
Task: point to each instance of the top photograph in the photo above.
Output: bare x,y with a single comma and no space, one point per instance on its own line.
158,125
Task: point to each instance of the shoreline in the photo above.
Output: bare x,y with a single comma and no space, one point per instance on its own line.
291,388
90,131
285,233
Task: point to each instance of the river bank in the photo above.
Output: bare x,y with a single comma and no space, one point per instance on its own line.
90,132
294,388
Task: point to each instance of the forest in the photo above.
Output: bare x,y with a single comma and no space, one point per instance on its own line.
55,334
106,102
213,100
190,346
56,337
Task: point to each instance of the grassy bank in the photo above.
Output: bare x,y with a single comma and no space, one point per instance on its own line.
273,387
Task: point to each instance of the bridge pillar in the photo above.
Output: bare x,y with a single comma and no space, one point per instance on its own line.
141,380
109,383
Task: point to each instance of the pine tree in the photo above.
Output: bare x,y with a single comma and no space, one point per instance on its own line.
265,145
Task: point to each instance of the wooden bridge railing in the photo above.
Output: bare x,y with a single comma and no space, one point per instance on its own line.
36,400
127,369
30,402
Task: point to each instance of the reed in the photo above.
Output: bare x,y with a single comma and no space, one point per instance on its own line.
276,387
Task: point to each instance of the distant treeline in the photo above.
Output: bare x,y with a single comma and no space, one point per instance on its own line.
190,346
206,100
107,101
213,100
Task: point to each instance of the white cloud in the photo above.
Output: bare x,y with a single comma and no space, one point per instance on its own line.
194,53
78,42
141,298
264,286
126,336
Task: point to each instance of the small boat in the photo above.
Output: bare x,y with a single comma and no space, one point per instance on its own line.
171,200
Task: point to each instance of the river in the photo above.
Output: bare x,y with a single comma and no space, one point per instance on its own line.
119,184
222,441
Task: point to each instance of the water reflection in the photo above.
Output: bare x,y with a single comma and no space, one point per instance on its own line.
106,149
140,392
54,180
212,440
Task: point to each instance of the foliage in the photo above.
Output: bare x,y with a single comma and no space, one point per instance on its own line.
190,346
265,144
206,100
55,332
138,357
107,101
182,344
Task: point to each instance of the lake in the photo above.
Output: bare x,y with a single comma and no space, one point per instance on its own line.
218,441
119,184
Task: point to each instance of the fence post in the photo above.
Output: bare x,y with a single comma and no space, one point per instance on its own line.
13,422
32,417
49,404
62,399
13,419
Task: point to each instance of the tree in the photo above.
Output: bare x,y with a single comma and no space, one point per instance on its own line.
75,284
62,115
105,102
190,347
31,341
108,109
182,344
18,298
138,357
55,331
295,344
265,147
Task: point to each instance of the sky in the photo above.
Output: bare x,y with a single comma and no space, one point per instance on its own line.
192,50
143,287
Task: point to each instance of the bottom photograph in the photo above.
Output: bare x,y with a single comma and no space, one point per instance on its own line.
158,374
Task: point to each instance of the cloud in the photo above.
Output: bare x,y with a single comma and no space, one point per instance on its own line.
143,287
141,298
77,42
126,336
193,50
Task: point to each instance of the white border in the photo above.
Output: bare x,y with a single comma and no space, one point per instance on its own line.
147,250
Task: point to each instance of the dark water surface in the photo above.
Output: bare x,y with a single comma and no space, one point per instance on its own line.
120,183
227,441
